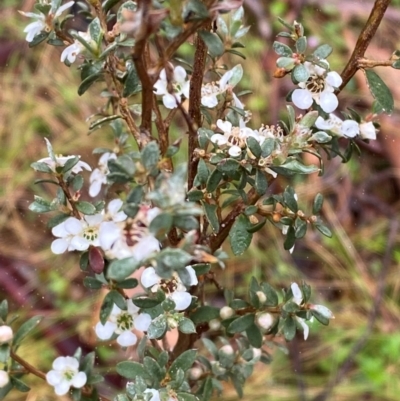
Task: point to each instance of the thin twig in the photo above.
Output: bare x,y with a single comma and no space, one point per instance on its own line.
364,40
27,366
65,189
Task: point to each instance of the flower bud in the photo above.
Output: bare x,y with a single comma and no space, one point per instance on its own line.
172,323
367,130
265,321
195,373
6,334
261,297
4,378
214,324
226,312
257,352
227,350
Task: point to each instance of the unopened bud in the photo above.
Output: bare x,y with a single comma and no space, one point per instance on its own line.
227,349
265,321
253,219
195,373
226,312
214,324
4,378
261,296
280,73
6,334
276,217
172,323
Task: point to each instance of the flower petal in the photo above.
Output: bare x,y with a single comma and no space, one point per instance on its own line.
62,388
59,246
79,380
350,128
302,98
334,79
192,274
149,277
328,102
105,332
179,74
54,377
170,101
142,322
126,339
182,299
235,151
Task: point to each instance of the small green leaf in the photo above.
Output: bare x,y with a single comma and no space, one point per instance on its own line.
128,283
39,38
215,46
261,182
320,317
150,155
317,204
380,91
300,228
241,324
254,146
88,82
323,229
120,269
322,51
320,137
85,208
184,362
229,167
289,197
289,328
106,308
95,31
41,167
204,314
131,370
4,353
202,172
84,261
25,329
254,335
290,239
40,205
144,302
239,236
282,49
4,310
186,326
211,214
92,283
214,180
300,73
161,224
158,327
153,369
272,296
19,385
301,44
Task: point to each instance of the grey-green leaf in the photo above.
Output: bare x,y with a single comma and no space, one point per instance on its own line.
380,91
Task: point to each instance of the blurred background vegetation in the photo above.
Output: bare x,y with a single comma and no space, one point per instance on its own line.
356,273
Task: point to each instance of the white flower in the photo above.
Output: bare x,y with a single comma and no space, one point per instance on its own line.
173,287
60,162
367,130
131,237
320,87
43,22
346,128
6,334
65,374
99,174
76,235
210,91
265,320
114,212
71,52
122,322
155,395
180,86
4,378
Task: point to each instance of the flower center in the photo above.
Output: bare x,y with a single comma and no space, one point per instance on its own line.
69,374
91,233
170,285
176,87
124,321
315,84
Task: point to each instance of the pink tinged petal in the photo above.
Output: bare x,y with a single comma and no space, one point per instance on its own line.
54,377
297,294
109,233
171,101
73,226
302,98
328,102
179,74
59,246
209,101
192,274
95,188
182,299
149,277
219,139
235,151
304,326
79,380
62,388
126,339
334,79
105,332
350,128
142,322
